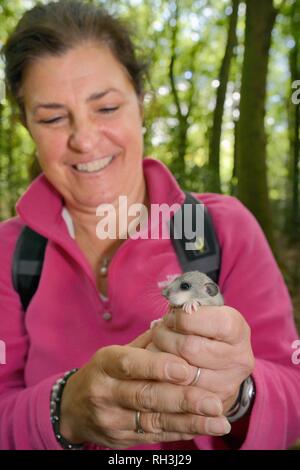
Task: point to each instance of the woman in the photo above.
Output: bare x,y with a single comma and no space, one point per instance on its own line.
73,72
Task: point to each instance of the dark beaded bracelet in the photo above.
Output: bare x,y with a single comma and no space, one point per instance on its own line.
56,395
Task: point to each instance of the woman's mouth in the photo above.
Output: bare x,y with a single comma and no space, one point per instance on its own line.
95,166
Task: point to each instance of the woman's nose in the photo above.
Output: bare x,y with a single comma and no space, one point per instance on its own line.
84,137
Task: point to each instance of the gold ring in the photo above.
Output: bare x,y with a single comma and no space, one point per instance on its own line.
138,426
196,378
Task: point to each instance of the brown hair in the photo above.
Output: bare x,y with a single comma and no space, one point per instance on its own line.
57,27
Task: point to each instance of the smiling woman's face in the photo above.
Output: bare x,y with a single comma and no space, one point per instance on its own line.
85,118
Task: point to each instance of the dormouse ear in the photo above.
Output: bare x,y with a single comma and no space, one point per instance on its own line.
211,289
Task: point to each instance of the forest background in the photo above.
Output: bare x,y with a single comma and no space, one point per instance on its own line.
222,107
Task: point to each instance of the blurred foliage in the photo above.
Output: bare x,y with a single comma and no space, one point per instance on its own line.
184,43
201,37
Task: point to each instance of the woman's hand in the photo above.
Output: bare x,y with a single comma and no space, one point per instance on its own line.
216,339
100,401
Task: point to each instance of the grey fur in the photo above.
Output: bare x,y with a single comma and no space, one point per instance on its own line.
202,291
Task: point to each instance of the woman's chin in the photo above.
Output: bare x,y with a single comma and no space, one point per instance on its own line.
92,202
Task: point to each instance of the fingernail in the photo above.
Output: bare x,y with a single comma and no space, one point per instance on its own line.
217,426
211,406
176,371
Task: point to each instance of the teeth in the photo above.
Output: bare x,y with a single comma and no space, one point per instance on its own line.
94,166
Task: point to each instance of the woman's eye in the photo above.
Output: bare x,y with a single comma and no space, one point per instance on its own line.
50,121
108,110
101,110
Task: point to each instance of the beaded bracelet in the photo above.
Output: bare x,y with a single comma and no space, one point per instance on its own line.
56,395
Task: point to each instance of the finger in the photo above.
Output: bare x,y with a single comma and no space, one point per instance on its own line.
220,323
142,340
154,438
117,429
221,383
126,439
152,347
123,362
196,350
119,420
187,424
168,398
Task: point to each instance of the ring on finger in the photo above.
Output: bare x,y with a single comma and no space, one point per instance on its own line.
196,378
138,426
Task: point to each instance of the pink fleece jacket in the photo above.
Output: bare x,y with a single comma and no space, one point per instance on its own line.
66,323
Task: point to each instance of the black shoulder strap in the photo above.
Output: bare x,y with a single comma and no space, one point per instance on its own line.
205,253
27,264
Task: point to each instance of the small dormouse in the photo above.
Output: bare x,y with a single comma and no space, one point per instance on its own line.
191,290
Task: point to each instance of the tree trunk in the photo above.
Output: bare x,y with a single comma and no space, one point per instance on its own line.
252,170
215,141
296,168
234,177
181,137
179,166
293,215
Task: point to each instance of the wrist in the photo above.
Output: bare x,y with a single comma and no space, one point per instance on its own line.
59,415
68,427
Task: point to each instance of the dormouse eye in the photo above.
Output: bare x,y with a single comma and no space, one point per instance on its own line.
211,289
185,286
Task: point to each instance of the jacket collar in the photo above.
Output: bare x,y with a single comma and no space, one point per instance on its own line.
41,205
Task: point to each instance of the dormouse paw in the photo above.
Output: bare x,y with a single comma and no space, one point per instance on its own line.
191,307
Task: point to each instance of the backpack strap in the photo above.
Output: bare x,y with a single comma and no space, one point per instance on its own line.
205,256
27,264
